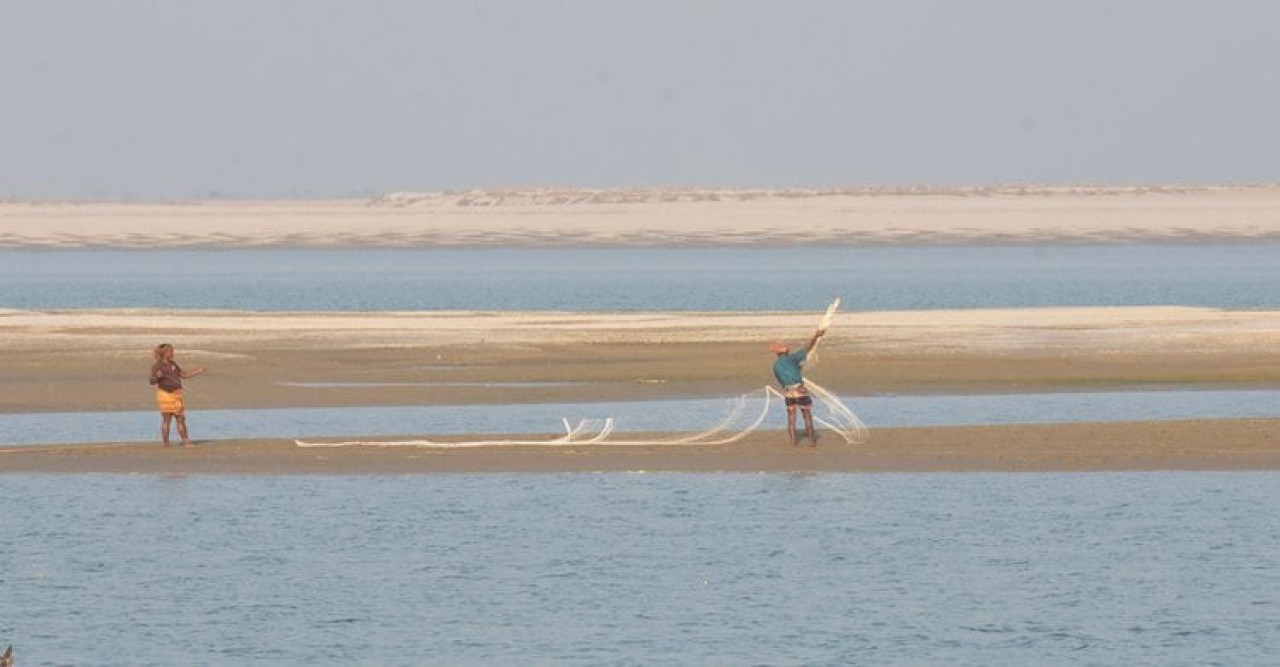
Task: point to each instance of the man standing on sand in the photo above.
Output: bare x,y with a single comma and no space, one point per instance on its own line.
786,368
167,376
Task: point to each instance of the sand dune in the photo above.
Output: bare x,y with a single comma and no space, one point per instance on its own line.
657,217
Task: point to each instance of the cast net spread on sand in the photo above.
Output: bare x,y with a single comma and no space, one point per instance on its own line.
742,416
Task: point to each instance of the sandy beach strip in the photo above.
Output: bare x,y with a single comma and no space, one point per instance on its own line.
97,359
663,217
89,360
1126,446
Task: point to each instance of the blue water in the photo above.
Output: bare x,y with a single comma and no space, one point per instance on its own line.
692,415
749,279
673,569
940,569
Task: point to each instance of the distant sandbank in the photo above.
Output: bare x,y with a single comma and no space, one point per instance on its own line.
663,217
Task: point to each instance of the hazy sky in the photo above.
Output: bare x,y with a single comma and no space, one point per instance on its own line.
176,98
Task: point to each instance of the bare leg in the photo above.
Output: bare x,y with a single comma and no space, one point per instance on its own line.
182,430
791,424
164,428
808,427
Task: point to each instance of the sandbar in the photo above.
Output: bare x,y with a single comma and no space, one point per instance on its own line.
97,360
85,360
1091,447
533,217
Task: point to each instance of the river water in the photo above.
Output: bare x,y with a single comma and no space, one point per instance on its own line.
603,279
632,569
635,569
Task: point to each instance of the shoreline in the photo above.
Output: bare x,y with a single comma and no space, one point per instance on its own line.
1197,445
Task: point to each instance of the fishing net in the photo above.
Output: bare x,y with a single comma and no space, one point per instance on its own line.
832,413
740,416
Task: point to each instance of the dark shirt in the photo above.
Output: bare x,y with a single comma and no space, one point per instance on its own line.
166,375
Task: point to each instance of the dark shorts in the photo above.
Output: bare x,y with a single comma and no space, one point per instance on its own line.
796,394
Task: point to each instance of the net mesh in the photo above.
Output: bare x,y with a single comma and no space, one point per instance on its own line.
832,413
742,415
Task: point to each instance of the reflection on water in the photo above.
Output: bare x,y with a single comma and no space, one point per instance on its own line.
679,415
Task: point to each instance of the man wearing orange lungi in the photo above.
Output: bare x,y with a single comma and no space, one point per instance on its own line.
167,377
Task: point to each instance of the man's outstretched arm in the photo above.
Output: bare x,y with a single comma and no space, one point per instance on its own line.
814,340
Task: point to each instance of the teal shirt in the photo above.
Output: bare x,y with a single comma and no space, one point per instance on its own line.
787,367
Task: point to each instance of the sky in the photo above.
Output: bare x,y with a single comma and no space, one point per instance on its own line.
162,99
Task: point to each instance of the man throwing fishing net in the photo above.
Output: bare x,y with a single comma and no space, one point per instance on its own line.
787,369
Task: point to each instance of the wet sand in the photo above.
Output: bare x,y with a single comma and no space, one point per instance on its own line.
97,360
1129,446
